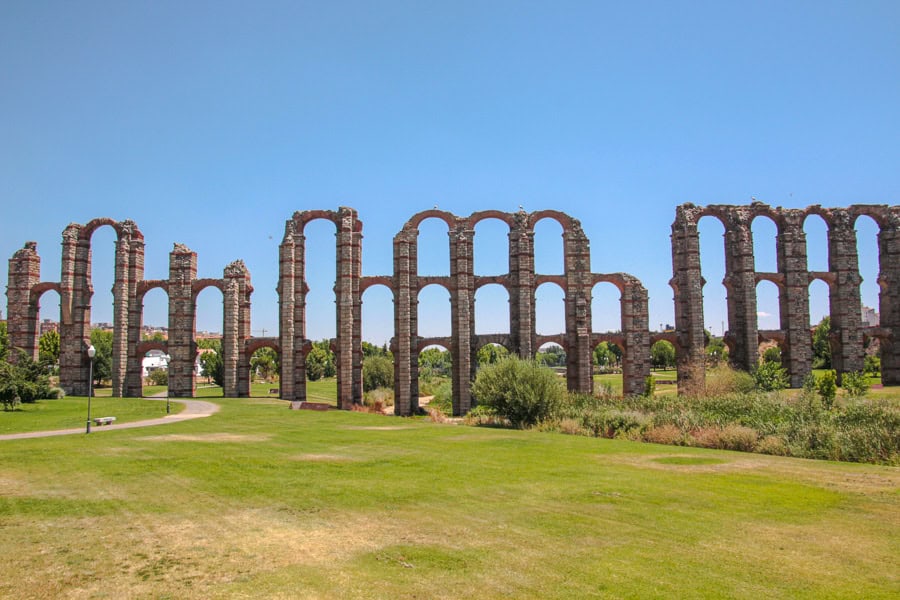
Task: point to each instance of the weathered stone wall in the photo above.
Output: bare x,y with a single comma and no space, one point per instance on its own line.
792,279
743,337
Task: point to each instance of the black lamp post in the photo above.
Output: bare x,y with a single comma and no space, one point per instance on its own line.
91,352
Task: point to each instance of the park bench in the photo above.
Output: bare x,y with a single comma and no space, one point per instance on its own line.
104,420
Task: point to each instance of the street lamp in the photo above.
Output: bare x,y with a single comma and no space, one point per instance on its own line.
91,352
166,358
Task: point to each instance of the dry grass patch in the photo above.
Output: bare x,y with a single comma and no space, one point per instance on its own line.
206,437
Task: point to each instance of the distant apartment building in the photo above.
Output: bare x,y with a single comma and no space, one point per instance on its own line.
49,325
869,317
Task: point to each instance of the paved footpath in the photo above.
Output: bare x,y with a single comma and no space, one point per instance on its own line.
193,409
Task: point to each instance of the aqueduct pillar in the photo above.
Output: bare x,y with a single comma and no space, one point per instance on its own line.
182,316
636,331
462,311
889,298
687,283
846,307
579,356
740,282
406,356
793,297
236,330
521,292
22,316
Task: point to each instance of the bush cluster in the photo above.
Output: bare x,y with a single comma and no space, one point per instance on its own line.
24,382
737,417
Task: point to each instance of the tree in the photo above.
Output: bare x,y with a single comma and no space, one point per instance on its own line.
24,381
716,350
662,355
157,336
212,366
320,361
377,372
772,354
434,361
4,341
603,356
490,354
264,362
159,377
102,340
523,391
770,376
822,345
552,356
48,348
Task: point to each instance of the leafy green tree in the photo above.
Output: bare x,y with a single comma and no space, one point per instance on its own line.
4,341
490,354
716,350
552,356
320,362
24,382
377,372
872,365
157,336
603,356
158,377
770,376
772,354
48,348
822,345
264,362
102,340
827,388
855,384
211,364
523,391
662,355
434,361
616,351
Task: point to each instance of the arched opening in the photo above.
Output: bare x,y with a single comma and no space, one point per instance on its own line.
434,311
606,308
320,272
820,324
378,361
491,309
607,361
770,351
154,328
154,372
435,378
765,253
712,260
48,316
550,309
491,247
768,310
102,276
816,231
433,248
377,315
490,354
208,365
870,292
265,366
552,355
548,247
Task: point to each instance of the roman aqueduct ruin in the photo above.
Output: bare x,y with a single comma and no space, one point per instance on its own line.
577,281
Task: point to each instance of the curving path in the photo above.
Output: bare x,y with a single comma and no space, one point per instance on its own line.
193,409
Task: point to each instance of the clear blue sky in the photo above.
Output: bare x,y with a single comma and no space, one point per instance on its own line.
210,123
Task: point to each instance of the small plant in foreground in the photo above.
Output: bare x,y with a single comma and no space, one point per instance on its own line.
827,388
770,376
855,384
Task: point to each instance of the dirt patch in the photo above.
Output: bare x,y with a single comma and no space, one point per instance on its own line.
206,437
323,458
380,428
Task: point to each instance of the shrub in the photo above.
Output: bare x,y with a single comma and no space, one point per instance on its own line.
25,382
738,437
159,377
827,388
769,376
442,399
382,397
485,416
726,380
772,444
377,372
649,385
872,365
855,384
520,390
665,434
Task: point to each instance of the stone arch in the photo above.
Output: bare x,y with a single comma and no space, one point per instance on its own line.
76,291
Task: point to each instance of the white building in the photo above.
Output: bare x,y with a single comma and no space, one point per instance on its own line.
154,360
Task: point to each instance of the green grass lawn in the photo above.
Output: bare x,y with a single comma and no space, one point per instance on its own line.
615,381
260,501
71,412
